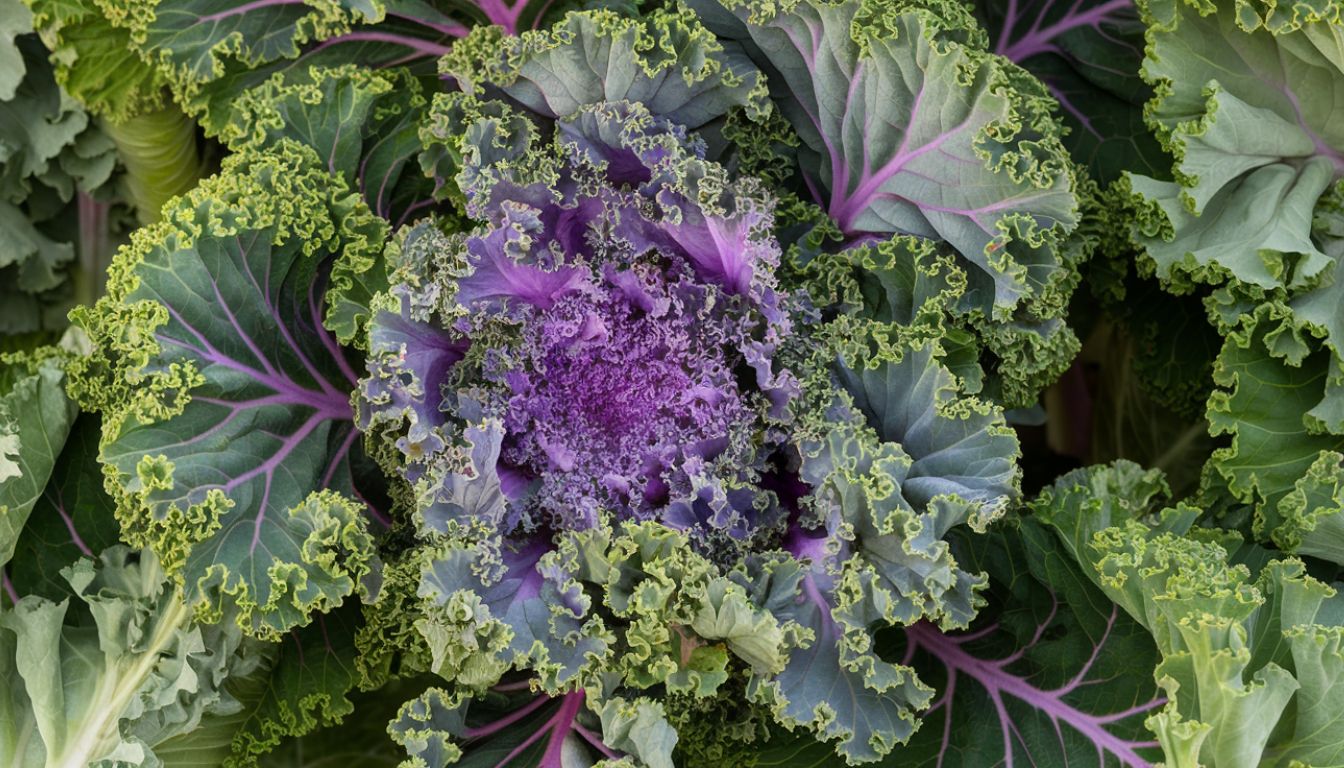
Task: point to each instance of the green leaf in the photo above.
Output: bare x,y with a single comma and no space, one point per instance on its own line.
983,170
35,419
666,60
1051,673
639,728
359,742
228,431
15,20
73,518
1256,230
1263,399
91,49
106,676
1088,54
305,687
1246,102
49,152
363,124
193,38
1246,657
960,447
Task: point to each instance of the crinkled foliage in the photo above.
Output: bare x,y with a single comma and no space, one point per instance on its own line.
51,158
228,434
1249,644
1088,53
983,171
739,514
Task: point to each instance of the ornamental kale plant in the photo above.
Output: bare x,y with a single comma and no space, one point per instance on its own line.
705,383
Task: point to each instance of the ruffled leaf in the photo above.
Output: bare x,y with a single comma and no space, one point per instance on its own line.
1245,655
1240,106
970,156
363,124
35,419
1088,54
666,61
228,430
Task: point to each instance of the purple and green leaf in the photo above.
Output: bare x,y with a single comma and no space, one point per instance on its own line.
507,727
73,518
1046,676
227,424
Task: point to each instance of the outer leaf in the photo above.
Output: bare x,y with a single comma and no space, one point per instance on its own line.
1313,512
32,268
966,156
639,728
215,50
225,401
884,493
1247,96
15,20
360,742
91,48
907,281
529,613
1088,53
1051,674
960,447
364,125
835,685
193,37
105,678
667,61
983,171
35,418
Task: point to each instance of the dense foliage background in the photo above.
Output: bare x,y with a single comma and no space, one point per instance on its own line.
688,383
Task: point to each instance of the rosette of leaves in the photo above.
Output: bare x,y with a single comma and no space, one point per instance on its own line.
645,489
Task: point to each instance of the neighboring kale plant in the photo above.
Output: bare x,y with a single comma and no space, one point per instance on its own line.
1251,222
53,163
